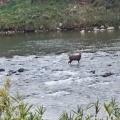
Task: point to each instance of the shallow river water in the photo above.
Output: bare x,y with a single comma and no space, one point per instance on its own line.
50,81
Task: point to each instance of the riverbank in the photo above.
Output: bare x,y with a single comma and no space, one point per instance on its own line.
22,16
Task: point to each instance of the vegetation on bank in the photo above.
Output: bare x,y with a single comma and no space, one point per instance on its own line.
31,15
13,107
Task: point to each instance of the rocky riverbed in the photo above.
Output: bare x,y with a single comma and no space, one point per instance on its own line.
50,81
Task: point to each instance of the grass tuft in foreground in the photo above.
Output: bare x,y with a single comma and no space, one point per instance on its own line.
111,112
14,108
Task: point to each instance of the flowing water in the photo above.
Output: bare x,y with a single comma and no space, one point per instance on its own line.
49,80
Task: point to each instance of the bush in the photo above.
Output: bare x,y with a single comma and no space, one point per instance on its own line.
13,108
112,111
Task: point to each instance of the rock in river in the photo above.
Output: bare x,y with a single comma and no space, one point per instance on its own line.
1,69
107,74
21,70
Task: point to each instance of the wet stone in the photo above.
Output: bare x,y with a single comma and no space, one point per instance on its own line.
57,70
107,74
21,64
109,65
36,57
17,74
11,72
8,60
28,95
93,71
2,70
115,55
21,70
92,58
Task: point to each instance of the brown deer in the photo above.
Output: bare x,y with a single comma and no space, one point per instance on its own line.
75,57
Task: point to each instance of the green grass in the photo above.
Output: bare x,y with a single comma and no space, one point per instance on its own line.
22,15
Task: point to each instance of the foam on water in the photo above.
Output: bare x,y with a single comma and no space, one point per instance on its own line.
59,82
48,80
59,93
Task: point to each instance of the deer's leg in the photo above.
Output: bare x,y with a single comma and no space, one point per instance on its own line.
70,61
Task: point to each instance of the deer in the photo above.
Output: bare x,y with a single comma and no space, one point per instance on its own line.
75,57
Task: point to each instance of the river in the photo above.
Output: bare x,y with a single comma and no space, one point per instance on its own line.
49,80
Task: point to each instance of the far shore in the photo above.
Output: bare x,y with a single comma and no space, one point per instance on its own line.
82,30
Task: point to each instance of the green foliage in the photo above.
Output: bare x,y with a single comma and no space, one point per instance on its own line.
83,113
42,14
66,116
14,108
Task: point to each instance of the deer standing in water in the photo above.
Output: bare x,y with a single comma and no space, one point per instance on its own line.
75,57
